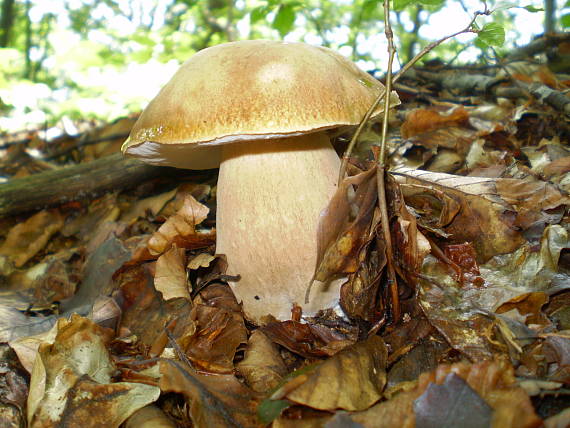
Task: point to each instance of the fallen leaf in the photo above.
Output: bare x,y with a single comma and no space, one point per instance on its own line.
71,381
145,313
353,379
181,229
306,340
493,381
26,239
423,120
149,417
170,274
451,404
262,365
212,345
217,401
480,215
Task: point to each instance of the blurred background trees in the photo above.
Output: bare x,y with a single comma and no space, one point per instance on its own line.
106,58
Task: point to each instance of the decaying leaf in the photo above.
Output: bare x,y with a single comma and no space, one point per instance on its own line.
149,417
71,381
353,379
170,274
26,239
493,381
422,120
338,241
218,401
14,383
481,216
212,344
181,229
453,403
307,340
262,366
145,313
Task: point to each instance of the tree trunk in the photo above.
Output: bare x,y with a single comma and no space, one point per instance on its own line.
28,70
549,16
6,23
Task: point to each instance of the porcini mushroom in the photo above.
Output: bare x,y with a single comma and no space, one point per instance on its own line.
261,111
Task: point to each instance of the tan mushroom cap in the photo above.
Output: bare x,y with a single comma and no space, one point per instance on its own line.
250,90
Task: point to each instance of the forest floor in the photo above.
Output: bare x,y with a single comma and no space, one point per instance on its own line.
114,307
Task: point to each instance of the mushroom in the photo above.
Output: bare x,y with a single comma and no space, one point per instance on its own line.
261,111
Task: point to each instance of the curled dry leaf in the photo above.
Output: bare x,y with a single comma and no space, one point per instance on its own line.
423,120
493,381
532,199
71,381
145,313
201,260
212,345
26,239
152,204
338,240
218,401
351,380
149,417
170,274
181,229
262,366
481,216
306,340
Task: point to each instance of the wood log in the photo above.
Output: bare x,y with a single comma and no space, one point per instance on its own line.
79,182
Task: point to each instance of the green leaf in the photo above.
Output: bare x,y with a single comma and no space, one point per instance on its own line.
258,13
492,34
534,9
431,2
565,20
369,7
285,19
269,410
504,5
399,5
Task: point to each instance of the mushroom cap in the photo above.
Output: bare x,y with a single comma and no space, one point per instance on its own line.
250,90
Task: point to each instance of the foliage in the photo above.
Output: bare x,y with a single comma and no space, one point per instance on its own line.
73,53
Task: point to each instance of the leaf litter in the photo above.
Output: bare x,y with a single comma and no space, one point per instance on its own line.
116,308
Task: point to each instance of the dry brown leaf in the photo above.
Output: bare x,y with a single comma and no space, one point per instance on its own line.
262,366
152,204
26,239
333,241
307,340
212,346
181,229
145,313
149,417
531,199
422,120
170,274
218,401
481,216
494,381
201,260
71,381
351,380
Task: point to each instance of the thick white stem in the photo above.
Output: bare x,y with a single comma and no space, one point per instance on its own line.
270,195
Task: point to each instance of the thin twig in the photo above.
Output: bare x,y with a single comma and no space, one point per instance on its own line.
381,168
348,152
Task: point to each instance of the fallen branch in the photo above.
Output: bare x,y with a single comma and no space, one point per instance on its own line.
77,182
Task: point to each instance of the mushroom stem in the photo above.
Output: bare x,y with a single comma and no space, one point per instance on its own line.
270,195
